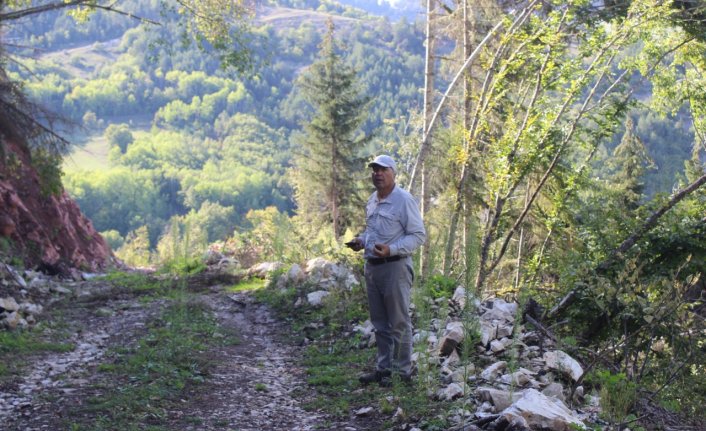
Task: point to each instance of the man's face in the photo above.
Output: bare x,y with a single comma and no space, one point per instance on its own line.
383,178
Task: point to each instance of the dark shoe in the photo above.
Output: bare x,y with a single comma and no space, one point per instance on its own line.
376,376
386,381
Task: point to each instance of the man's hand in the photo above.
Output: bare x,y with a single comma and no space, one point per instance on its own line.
381,250
355,244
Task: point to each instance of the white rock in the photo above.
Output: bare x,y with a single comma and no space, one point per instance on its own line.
16,276
365,411
264,269
350,281
317,263
14,320
508,307
459,297
560,361
425,336
492,372
451,392
452,359
60,289
296,273
365,329
521,377
463,374
504,329
542,412
497,346
29,308
555,390
488,332
498,398
452,337
316,298
9,304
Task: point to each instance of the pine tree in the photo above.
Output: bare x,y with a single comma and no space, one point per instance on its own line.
630,162
330,165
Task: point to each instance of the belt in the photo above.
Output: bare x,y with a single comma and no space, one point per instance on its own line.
381,260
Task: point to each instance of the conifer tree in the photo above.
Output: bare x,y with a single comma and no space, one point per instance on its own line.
330,164
630,161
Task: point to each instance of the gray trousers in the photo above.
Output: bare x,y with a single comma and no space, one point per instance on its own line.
389,287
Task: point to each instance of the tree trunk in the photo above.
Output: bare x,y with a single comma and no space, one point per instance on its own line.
426,137
467,33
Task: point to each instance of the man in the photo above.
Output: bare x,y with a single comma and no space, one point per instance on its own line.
394,229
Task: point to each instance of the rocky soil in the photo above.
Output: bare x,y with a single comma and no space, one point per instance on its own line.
257,383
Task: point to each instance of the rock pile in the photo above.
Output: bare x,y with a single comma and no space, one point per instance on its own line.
523,383
23,296
315,281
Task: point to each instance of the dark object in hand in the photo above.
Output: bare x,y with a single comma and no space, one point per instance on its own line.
352,244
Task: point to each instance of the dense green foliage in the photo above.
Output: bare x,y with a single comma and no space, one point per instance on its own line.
187,139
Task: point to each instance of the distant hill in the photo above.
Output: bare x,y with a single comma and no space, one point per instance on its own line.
393,9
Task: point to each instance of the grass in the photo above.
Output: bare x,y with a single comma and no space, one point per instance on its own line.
144,380
136,282
248,285
92,149
93,155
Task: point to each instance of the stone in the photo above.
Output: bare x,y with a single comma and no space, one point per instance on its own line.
507,307
61,289
554,390
450,392
541,412
8,304
488,333
463,374
492,372
452,359
28,308
498,398
459,297
316,298
364,411
497,346
452,337
14,320
503,330
366,329
562,362
425,336
12,275
522,377
264,269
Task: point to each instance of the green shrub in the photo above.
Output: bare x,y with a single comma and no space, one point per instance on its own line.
618,395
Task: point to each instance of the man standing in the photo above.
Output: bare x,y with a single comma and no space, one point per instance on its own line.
394,229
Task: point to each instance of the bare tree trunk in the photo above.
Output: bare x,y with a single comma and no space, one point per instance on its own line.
426,137
334,189
467,33
476,52
518,272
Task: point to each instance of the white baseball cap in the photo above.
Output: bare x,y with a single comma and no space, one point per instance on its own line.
385,161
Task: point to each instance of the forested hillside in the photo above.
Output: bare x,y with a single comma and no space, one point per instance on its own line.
169,135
